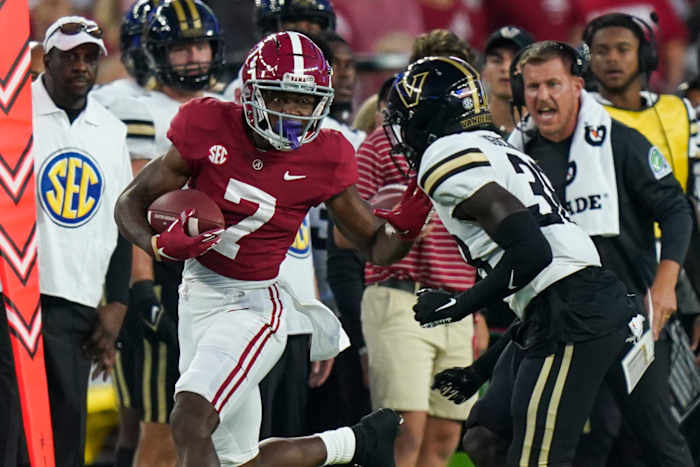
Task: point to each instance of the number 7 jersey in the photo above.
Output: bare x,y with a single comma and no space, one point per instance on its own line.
454,167
264,195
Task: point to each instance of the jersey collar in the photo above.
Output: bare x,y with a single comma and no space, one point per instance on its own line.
44,105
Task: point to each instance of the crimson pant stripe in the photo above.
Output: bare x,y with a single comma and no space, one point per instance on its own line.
276,325
271,328
244,354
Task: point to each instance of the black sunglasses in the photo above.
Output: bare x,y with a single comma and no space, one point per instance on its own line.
71,29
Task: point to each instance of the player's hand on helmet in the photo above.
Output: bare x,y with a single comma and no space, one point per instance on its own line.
458,384
409,217
174,244
155,319
435,307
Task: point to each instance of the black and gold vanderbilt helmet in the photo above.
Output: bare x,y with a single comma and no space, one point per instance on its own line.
177,22
434,97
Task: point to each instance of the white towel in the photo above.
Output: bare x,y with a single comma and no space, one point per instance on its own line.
591,196
328,338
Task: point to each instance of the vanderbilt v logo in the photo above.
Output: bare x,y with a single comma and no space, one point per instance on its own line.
410,92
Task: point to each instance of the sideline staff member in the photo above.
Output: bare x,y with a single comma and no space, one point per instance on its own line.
614,185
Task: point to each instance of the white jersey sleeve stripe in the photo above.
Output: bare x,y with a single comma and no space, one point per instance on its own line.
451,165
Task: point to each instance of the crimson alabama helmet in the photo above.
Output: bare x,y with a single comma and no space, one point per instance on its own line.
286,61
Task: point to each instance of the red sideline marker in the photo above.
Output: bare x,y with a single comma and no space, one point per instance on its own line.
18,240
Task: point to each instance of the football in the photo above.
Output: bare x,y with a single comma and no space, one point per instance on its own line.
388,196
167,208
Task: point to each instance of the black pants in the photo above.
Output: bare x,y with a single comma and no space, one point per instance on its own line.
66,326
554,385
630,449
524,392
285,390
553,396
147,360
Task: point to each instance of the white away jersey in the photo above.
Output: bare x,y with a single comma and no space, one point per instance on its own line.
454,167
147,119
117,90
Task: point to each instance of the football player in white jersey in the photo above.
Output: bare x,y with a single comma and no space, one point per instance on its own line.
132,57
506,218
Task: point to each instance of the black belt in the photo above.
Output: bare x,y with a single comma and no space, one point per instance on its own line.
400,284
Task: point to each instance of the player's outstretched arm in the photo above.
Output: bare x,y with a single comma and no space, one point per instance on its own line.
526,252
353,216
165,173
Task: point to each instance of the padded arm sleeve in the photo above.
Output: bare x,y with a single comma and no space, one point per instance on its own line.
119,273
526,252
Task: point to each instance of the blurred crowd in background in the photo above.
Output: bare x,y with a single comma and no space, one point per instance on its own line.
381,32
381,35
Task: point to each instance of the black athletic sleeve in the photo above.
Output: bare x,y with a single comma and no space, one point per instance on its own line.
656,191
119,273
526,252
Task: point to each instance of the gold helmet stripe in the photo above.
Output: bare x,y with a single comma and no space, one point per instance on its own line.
181,16
472,77
196,19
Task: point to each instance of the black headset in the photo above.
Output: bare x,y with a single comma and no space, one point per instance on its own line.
579,65
648,54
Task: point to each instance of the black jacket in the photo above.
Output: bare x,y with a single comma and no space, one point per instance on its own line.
642,199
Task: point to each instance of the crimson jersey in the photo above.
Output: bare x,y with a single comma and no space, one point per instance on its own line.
264,195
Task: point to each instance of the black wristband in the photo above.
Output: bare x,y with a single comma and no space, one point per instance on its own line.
142,290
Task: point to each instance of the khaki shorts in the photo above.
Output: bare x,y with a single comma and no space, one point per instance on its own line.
403,357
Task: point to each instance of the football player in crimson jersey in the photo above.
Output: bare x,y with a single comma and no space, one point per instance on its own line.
179,59
277,163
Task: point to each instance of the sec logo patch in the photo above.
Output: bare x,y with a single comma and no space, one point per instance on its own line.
301,248
217,154
70,184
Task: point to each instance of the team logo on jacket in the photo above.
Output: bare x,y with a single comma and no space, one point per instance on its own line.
595,136
217,154
658,163
301,248
70,185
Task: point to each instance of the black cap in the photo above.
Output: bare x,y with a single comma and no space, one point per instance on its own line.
509,36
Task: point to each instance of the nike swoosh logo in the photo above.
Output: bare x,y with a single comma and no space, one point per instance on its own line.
288,177
512,286
450,303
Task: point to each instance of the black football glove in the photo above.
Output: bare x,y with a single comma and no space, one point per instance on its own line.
435,307
143,301
459,383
